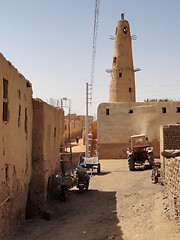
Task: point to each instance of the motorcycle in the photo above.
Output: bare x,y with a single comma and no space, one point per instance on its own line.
156,172
82,181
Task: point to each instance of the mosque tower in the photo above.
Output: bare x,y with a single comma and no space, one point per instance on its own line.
122,86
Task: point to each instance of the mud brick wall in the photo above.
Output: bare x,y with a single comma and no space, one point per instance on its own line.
170,137
172,184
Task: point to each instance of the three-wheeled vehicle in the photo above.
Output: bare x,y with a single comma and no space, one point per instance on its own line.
91,163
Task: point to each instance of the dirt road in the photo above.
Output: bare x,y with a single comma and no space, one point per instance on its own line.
119,205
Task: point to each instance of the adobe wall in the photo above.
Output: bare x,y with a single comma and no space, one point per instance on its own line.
118,121
15,144
77,124
172,180
170,137
48,127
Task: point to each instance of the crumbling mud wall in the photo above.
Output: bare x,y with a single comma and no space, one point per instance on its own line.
48,127
116,122
15,144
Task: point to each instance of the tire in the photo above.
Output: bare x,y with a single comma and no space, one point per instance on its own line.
131,163
87,185
151,160
64,194
81,189
99,168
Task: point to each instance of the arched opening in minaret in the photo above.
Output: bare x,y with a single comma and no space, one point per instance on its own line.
125,30
130,111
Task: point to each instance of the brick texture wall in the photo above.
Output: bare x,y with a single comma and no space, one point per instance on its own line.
170,137
170,173
172,184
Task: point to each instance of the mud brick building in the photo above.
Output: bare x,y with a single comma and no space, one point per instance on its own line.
31,133
170,140
16,114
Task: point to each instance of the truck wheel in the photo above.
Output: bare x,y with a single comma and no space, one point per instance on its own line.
151,160
131,163
99,168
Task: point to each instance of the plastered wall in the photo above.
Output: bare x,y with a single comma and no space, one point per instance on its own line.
15,144
48,127
77,123
122,85
118,121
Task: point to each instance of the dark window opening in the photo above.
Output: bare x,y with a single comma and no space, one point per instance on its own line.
25,122
125,30
107,111
178,109
19,111
114,60
5,88
120,74
55,132
163,110
74,125
130,89
19,94
5,111
6,172
28,84
65,127
116,30
19,115
131,111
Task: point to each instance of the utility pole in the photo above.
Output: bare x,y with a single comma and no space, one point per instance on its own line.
69,125
87,122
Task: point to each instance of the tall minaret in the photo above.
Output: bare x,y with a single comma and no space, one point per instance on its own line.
122,86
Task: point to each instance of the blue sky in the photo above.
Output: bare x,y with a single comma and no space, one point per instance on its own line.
50,43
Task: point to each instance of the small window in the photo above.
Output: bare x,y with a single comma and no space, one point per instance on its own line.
120,74
28,84
5,88
130,111
163,110
125,30
130,89
107,111
114,60
25,122
19,94
55,132
19,115
5,111
6,172
65,127
178,109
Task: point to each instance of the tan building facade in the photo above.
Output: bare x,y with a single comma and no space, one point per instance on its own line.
118,121
15,144
122,86
77,124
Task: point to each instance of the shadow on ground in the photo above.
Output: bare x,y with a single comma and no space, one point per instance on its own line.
90,215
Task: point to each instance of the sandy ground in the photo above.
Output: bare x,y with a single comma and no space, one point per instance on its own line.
119,205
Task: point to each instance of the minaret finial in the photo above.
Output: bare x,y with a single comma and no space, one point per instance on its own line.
122,16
